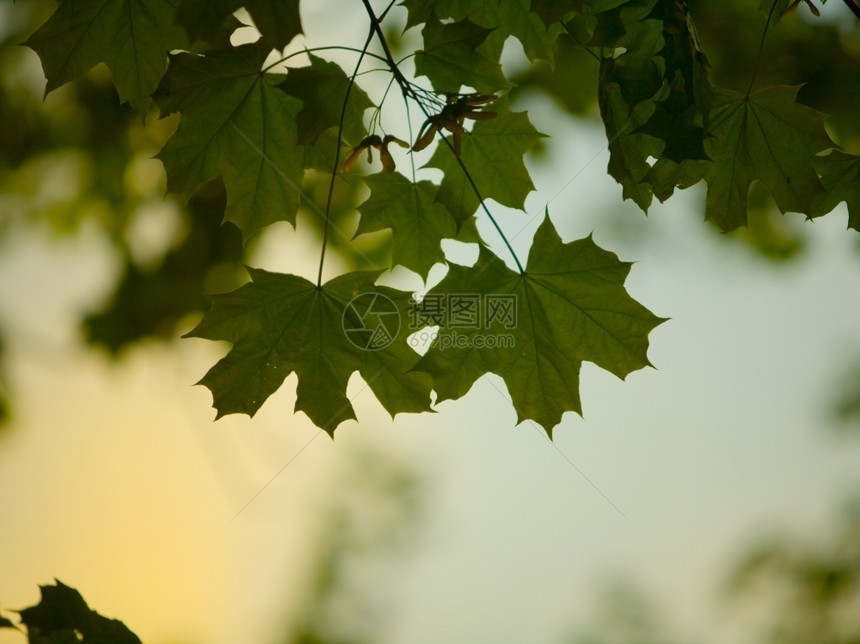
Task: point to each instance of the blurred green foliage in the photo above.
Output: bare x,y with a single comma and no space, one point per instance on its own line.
822,55
806,592
368,530
845,402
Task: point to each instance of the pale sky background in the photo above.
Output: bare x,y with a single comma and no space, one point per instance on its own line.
115,480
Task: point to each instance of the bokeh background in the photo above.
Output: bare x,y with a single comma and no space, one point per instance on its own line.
712,499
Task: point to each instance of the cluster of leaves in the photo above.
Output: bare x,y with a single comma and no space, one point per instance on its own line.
62,615
657,103
265,124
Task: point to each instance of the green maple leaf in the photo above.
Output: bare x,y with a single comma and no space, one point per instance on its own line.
627,94
608,21
666,175
767,136
493,154
523,19
280,324
278,20
419,11
450,58
322,87
840,174
418,223
654,99
237,124
571,306
685,98
514,18
133,37
628,149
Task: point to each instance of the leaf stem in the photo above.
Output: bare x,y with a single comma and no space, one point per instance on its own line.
581,45
395,70
408,91
327,220
327,48
761,47
484,205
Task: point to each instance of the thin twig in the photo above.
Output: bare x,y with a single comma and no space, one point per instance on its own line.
315,49
404,84
484,205
410,91
337,156
581,45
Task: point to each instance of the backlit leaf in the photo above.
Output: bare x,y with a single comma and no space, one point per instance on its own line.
512,18
629,150
493,153
280,324
570,307
322,88
277,20
133,37
237,124
769,137
418,223
654,99
840,174
450,58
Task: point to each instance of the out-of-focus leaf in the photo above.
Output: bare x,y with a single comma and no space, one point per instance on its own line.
5,410
7,623
151,301
62,615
